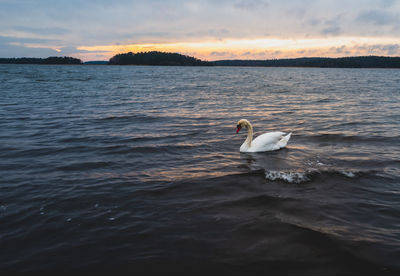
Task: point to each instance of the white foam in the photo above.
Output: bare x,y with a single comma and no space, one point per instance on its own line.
291,177
313,163
348,174
303,176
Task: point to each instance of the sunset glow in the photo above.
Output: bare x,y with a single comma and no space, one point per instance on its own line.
258,48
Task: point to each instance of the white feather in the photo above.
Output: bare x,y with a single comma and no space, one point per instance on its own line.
265,142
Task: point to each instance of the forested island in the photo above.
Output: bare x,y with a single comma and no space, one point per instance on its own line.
156,58
49,60
344,62
162,58
175,59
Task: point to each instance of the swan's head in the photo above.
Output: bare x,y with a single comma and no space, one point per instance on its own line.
242,123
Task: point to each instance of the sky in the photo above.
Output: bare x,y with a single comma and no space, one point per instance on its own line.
205,29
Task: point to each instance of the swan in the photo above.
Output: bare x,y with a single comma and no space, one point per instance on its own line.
265,142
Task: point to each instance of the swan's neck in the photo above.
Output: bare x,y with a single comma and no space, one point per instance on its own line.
249,135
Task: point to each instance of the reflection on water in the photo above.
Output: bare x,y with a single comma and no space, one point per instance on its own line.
140,167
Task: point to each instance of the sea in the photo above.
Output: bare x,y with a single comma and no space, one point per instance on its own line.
136,170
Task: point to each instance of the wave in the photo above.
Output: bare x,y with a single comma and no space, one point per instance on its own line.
81,166
297,177
149,118
165,148
291,177
131,117
353,138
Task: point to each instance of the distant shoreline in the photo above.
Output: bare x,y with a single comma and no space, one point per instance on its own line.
174,59
343,62
46,61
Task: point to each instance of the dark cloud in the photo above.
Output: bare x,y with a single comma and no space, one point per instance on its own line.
313,22
378,17
387,49
25,40
219,54
387,3
392,49
332,26
215,55
17,46
251,5
11,51
41,31
341,50
210,33
332,30
74,50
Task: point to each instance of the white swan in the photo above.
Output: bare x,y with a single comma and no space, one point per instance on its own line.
265,142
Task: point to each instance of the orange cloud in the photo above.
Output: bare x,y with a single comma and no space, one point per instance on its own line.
260,48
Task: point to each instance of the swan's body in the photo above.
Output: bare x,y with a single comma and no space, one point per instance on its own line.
265,142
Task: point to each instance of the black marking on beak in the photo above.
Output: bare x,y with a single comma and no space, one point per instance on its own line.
238,128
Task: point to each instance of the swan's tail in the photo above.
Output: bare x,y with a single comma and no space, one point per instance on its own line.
284,140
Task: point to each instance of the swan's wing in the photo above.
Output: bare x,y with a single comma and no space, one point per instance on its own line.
269,138
284,140
267,141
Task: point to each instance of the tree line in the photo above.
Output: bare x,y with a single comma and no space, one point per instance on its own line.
175,59
156,58
344,62
49,60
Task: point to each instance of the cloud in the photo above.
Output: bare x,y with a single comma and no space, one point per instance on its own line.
25,40
27,47
73,50
342,50
41,31
8,50
379,49
72,24
217,34
100,22
378,17
387,3
313,22
251,5
393,49
219,54
332,30
332,26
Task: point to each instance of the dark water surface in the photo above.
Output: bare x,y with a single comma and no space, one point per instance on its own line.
109,169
